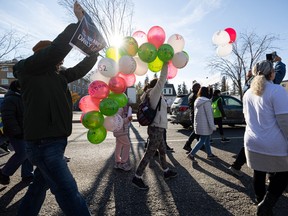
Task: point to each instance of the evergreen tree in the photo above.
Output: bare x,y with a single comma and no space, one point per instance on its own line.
179,91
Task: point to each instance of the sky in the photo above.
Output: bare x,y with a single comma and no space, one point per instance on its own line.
195,20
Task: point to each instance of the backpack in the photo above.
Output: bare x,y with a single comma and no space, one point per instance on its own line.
145,114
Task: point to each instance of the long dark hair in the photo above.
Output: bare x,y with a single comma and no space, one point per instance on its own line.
203,92
151,84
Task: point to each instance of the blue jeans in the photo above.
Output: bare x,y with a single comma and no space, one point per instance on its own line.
17,159
51,173
203,140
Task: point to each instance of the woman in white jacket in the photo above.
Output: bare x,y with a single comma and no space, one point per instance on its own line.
265,107
203,123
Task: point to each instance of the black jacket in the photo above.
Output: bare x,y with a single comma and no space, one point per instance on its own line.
46,97
191,99
12,114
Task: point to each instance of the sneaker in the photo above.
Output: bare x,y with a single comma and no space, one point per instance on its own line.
170,174
192,158
4,179
235,171
117,165
67,159
224,140
124,166
212,156
5,148
187,148
138,182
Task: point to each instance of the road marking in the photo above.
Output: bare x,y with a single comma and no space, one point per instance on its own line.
169,140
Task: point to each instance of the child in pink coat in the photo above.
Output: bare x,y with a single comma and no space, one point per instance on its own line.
122,149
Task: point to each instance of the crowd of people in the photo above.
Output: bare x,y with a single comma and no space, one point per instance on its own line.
39,139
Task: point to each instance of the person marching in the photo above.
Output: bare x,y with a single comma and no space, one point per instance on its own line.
219,114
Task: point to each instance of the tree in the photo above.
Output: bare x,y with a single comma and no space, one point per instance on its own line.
184,88
224,84
112,17
10,43
179,90
247,50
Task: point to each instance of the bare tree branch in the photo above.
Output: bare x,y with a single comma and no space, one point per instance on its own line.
247,50
112,17
10,42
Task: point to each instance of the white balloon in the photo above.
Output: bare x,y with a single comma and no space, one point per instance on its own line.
224,50
96,75
127,64
180,59
113,123
141,67
107,67
177,42
220,37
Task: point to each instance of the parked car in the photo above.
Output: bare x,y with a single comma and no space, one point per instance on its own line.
233,107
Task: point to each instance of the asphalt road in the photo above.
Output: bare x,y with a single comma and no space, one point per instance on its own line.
205,189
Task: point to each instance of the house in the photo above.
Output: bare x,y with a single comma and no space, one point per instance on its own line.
169,94
6,77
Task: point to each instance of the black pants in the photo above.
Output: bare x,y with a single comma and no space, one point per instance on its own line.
240,160
277,185
192,136
218,122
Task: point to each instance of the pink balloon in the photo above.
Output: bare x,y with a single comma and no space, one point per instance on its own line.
117,85
140,37
113,123
172,70
156,36
232,34
88,103
130,79
98,89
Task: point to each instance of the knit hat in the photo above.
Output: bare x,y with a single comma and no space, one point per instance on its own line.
41,45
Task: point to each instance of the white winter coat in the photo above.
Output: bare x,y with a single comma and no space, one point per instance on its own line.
203,117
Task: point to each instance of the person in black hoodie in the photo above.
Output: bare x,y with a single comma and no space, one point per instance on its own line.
12,117
191,99
48,121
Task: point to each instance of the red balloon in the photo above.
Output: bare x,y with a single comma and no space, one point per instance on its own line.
130,79
232,34
98,89
117,85
89,103
156,36
172,70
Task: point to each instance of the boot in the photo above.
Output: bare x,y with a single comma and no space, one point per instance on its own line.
266,205
187,147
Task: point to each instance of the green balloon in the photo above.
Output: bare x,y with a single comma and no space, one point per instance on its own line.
165,52
93,119
109,107
147,52
122,99
97,135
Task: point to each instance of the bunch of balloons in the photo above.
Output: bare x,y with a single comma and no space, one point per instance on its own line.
117,71
224,39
